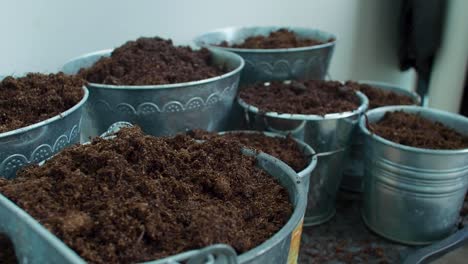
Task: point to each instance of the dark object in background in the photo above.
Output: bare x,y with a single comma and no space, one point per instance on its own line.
464,104
421,24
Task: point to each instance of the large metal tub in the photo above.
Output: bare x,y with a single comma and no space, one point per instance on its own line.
354,168
35,244
302,63
37,142
329,135
413,195
161,109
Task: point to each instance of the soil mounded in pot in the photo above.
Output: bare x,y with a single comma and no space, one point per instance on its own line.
314,97
279,39
152,61
416,131
380,97
36,97
138,198
284,149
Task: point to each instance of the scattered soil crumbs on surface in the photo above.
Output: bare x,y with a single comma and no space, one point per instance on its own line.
312,97
379,97
416,131
285,149
138,198
36,97
279,39
152,61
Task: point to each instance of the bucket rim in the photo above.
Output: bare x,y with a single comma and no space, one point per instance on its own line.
239,61
199,40
58,117
414,110
302,117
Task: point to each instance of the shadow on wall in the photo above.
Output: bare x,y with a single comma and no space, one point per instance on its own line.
376,18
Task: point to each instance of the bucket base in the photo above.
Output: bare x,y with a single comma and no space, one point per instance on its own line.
317,220
392,238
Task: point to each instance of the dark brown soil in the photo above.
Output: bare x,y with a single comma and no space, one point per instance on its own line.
152,61
7,251
309,97
285,149
378,97
280,39
138,198
416,131
36,97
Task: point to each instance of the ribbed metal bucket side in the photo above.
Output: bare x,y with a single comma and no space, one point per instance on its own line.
413,195
162,109
354,171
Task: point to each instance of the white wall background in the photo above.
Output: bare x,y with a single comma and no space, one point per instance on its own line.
40,36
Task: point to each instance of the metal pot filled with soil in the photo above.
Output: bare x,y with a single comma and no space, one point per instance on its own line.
135,198
275,53
163,88
40,114
294,152
379,94
416,172
324,114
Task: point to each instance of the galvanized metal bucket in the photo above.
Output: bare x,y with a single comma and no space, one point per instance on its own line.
306,150
161,109
302,63
354,168
329,135
34,243
413,195
37,142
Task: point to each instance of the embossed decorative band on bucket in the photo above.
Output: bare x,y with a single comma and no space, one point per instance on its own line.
35,243
262,65
354,171
329,135
413,195
161,109
37,142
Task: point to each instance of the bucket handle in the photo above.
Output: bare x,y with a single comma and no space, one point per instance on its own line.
214,254
115,127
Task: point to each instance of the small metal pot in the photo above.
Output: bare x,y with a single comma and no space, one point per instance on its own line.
35,243
262,65
307,151
354,168
161,109
37,142
329,135
413,195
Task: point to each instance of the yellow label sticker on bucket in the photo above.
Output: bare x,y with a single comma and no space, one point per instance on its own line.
295,243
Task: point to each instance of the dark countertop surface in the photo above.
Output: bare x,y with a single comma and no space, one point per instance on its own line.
346,239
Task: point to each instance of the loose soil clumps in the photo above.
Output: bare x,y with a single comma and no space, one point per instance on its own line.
416,131
279,39
36,97
314,97
152,61
138,198
379,97
284,149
